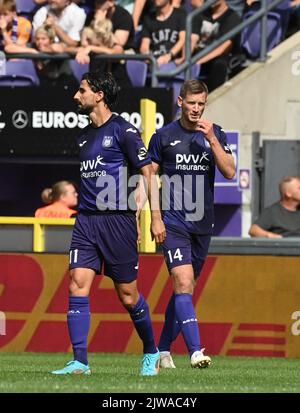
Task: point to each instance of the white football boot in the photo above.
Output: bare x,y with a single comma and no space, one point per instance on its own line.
166,361
199,360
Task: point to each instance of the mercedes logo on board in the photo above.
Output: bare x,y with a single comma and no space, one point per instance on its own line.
20,119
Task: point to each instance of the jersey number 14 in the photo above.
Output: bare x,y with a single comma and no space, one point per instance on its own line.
177,255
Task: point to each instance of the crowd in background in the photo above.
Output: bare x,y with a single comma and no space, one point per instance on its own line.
87,28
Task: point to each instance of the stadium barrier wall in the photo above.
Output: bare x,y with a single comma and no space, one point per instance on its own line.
246,305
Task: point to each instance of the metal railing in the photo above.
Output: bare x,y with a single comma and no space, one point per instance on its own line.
26,234
156,73
117,57
190,60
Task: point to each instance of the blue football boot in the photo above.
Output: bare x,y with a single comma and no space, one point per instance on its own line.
150,364
73,367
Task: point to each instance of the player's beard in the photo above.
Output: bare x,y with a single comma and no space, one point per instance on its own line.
84,110
194,118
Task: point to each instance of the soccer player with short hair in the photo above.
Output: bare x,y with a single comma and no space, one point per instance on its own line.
186,151
105,232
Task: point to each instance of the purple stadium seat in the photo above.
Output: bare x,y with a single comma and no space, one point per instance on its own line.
26,8
137,72
251,35
195,71
19,72
177,81
78,69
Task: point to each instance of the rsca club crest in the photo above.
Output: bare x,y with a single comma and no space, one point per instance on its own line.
107,141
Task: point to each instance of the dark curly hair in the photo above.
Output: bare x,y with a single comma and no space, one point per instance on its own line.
105,82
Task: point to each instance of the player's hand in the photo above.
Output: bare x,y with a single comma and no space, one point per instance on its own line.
164,59
138,227
101,13
3,23
206,126
82,57
50,20
158,230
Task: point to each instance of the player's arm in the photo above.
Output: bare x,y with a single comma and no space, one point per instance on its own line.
263,224
121,37
151,188
257,231
224,160
140,191
174,51
145,45
218,51
138,7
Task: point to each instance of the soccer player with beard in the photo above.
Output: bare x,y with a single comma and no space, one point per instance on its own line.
105,232
186,151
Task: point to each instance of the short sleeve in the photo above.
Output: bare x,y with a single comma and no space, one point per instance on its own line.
146,30
196,24
123,22
78,24
265,219
155,148
134,147
39,17
222,137
25,30
182,20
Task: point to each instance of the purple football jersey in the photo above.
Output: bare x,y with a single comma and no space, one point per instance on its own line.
109,156
187,169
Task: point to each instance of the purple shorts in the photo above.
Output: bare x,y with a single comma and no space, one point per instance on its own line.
108,241
181,247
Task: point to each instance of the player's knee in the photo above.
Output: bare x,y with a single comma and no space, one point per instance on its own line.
77,287
184,287
127,301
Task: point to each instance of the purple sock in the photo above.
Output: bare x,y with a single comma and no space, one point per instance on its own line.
185,314
171,327
79,325
141,318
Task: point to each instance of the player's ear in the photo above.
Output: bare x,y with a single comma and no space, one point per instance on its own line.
179,101
99,96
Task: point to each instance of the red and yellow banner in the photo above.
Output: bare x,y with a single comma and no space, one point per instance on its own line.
246,305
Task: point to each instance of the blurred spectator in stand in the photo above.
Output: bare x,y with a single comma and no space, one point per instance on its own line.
163,34
293,25
142,8
14,30
60,200
66,19
283,9
238,6
98,33
281,219
209,26
96,38
123,41
51,72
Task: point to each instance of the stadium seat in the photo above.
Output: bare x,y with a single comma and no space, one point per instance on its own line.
26,8
78,69
251,35
19,73
177,81
137,72
195,71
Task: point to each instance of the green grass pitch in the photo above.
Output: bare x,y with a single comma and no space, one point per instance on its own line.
119,373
